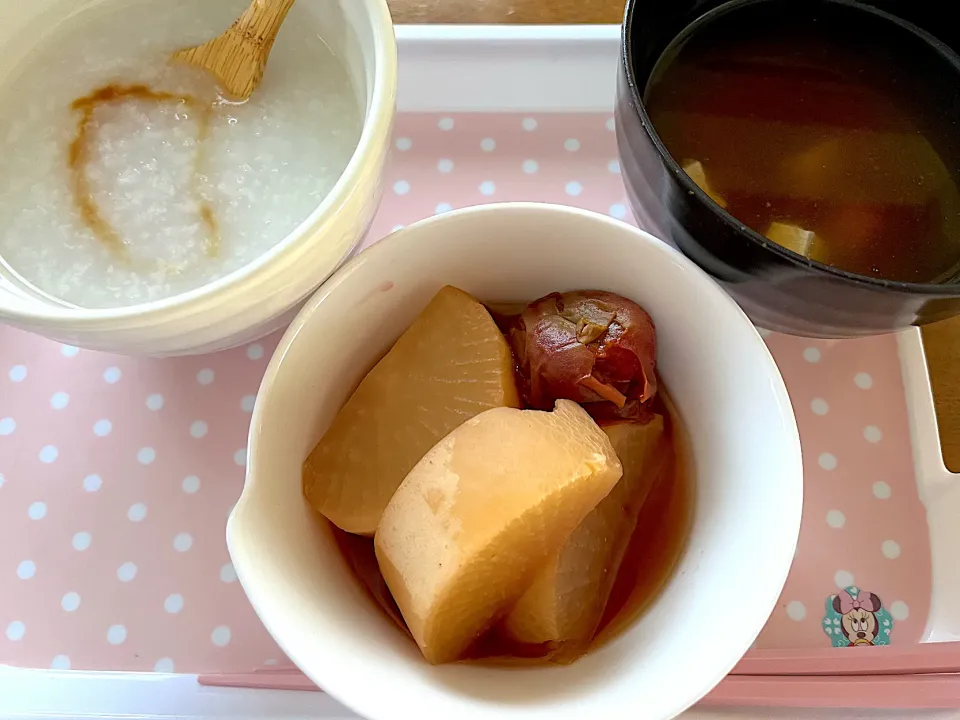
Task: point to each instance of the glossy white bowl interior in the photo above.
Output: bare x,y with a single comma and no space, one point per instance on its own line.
265,294
746,457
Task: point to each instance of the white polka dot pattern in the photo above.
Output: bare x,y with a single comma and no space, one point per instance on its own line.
70,602
899,610
881,490
796,610
116,634
173,604
16,630
854,432
843,579
220,636
104,483
127,572
836,519
117,474
618,211
59,400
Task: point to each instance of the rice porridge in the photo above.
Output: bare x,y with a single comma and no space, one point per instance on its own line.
127,179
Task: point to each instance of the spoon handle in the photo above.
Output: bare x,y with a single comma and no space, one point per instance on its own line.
261,21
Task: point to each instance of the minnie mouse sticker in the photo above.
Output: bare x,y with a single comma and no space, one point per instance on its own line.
857,617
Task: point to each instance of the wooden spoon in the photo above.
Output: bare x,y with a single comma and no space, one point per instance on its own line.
238,57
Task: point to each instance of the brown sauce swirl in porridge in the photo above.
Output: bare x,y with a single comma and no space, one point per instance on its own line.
80,156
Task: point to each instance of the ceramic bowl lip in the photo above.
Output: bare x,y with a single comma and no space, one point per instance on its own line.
630,19
256,475
374,136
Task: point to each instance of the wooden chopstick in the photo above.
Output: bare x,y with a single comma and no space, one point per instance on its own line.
267,679
916,659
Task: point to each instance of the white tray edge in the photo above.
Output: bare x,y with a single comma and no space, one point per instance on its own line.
939,490
148,696
32,694
507,68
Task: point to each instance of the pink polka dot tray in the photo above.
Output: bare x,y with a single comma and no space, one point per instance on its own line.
117,474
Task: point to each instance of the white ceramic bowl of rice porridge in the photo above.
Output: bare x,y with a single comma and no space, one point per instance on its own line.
140,210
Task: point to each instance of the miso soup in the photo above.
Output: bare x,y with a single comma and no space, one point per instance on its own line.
828,127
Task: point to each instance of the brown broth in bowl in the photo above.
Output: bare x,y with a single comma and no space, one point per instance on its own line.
830,129
655,548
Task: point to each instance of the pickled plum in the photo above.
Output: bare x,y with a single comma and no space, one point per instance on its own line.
593,347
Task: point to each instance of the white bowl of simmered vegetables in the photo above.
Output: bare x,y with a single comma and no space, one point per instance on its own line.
518,461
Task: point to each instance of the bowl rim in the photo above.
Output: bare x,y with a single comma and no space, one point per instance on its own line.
785,542
630,21
376,128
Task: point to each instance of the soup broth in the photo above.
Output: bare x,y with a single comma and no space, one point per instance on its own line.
655,549
827,128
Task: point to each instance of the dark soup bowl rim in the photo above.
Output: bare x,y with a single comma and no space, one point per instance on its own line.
638,105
